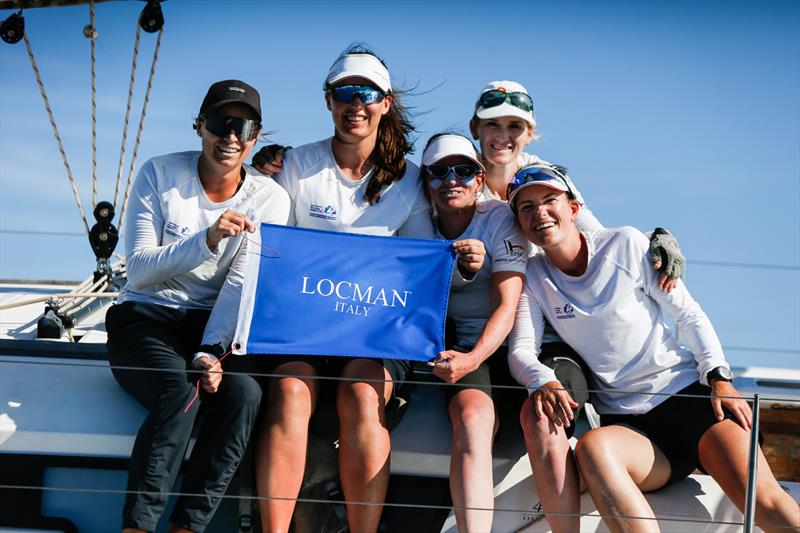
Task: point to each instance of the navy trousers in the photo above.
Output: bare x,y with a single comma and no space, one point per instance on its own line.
161,341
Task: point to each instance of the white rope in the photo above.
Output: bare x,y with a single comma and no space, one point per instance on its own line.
92,36
141,126
59,296
55,132
127,113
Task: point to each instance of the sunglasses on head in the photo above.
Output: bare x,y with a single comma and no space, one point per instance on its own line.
244,128
530,175
496,97
464,173
346,93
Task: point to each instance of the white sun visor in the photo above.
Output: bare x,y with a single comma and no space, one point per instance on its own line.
447,145
360,66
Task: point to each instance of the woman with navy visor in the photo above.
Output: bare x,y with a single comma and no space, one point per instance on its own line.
363,183
483,313
186,215
601,294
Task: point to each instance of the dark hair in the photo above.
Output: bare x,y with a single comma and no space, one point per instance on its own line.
388,158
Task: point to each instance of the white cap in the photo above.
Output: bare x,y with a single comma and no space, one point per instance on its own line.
506,109
360,65
447,145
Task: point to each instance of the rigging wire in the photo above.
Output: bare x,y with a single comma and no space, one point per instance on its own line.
763,266
127,113
141,127
55,131
237,497
99,364
91,34
726,264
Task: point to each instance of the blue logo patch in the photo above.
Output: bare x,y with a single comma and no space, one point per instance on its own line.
566,311
176,230
327,212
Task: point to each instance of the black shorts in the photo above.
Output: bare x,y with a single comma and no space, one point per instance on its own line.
493,371
325,366
675,427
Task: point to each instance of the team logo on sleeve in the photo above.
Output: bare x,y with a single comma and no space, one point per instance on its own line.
174,229
327,212
565,311
514,250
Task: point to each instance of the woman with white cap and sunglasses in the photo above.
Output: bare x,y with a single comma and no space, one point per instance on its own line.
658,423
186,216
504,123
482,310
357,181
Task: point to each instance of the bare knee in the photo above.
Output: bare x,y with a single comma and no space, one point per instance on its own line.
593,450
291,398
472,416
532,424
362,400
539,431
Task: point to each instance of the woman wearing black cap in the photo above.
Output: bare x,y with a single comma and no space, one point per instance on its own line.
357,181
186,217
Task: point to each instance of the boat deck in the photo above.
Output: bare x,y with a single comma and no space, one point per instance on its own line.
59,401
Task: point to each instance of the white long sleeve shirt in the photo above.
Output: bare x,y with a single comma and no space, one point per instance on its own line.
612,316
167,258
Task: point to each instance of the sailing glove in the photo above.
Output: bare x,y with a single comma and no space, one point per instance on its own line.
664,247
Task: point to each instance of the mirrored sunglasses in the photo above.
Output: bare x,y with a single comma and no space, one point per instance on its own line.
244,128
527,176
465,173
345,94
497,97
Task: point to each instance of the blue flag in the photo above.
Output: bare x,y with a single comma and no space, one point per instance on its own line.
312,292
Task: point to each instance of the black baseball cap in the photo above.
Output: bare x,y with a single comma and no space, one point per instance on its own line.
229,91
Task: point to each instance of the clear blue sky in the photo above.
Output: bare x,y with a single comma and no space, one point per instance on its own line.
681,114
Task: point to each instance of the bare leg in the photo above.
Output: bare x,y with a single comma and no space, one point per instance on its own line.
283,439
364,444
471,486
723,453
618,464
554,469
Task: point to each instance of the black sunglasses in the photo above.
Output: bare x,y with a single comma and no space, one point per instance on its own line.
244,128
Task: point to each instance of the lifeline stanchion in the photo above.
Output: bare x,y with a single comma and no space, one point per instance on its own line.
752,470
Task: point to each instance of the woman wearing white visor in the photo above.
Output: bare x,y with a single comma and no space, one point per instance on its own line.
357,181
482,312
504,123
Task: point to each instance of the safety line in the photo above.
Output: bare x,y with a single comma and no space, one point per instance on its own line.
9,359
